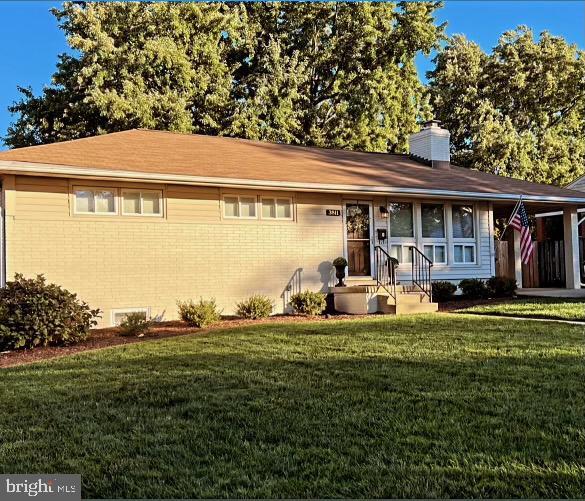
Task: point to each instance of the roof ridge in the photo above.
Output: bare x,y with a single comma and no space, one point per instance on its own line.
247,140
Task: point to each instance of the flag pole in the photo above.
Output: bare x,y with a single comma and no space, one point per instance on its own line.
516,207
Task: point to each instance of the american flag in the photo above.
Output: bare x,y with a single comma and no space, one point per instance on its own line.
519,221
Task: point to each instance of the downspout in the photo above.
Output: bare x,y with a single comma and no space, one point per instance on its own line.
2,236
7,210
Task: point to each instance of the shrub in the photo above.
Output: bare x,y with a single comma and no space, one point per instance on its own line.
135,324
308,303
256,306
35,313
502,286
201,314
340,261
443,291
473,288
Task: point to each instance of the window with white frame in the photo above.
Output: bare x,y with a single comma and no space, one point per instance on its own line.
463,224
432,220
401,231
141,203
402,253
436,253
276,208
433,232
464,253
462,217
119,315
239,207
95,200
401,220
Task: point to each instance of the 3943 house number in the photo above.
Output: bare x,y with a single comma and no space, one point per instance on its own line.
333,212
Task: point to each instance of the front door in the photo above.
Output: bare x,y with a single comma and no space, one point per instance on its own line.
358,219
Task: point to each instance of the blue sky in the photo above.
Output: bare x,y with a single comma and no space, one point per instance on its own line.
30,39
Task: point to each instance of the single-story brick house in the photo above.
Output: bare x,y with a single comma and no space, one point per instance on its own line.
137,220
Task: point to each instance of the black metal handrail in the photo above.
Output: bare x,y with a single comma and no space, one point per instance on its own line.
421,272
385,271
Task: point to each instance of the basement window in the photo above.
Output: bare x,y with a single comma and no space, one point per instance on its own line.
100,201
119,315
141,203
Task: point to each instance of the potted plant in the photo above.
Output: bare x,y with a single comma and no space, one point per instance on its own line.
340,264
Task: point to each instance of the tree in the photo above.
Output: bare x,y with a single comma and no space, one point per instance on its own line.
327,74
349,78
519,111
153,65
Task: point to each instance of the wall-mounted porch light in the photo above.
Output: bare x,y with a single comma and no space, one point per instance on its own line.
384,212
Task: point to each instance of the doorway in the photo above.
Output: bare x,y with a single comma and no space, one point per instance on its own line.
358,228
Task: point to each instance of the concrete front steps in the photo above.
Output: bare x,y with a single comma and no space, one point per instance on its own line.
366,297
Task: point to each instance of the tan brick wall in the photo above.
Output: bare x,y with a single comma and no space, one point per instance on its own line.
120,262
116,262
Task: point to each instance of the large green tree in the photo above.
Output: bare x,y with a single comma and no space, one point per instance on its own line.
133,65
328,74
519,111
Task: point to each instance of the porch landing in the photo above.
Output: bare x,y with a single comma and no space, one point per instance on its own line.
543,292
367,297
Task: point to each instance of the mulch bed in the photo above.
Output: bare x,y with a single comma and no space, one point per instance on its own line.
104,338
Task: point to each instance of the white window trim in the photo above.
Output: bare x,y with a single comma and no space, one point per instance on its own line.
276,218
239,197
448,241
465,241
406,240
437,244
114,312
405,246
436,241
140,191
446,214
94,189
465,244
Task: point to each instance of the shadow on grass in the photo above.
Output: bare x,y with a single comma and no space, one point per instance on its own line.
266,412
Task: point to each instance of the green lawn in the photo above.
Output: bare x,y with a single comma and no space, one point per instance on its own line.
443,405
557,308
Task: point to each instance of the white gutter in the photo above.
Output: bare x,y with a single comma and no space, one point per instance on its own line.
32,169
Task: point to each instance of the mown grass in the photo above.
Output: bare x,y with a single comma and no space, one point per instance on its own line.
553,308
428,406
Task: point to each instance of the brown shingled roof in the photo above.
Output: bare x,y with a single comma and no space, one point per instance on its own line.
157,152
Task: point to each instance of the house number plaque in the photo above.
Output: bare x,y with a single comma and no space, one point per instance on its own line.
333,212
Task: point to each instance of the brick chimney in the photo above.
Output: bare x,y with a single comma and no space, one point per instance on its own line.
431,145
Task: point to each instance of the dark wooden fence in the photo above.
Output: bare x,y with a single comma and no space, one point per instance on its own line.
551,263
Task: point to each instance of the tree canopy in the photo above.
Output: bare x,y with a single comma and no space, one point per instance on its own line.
519,111
327,74
331,74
